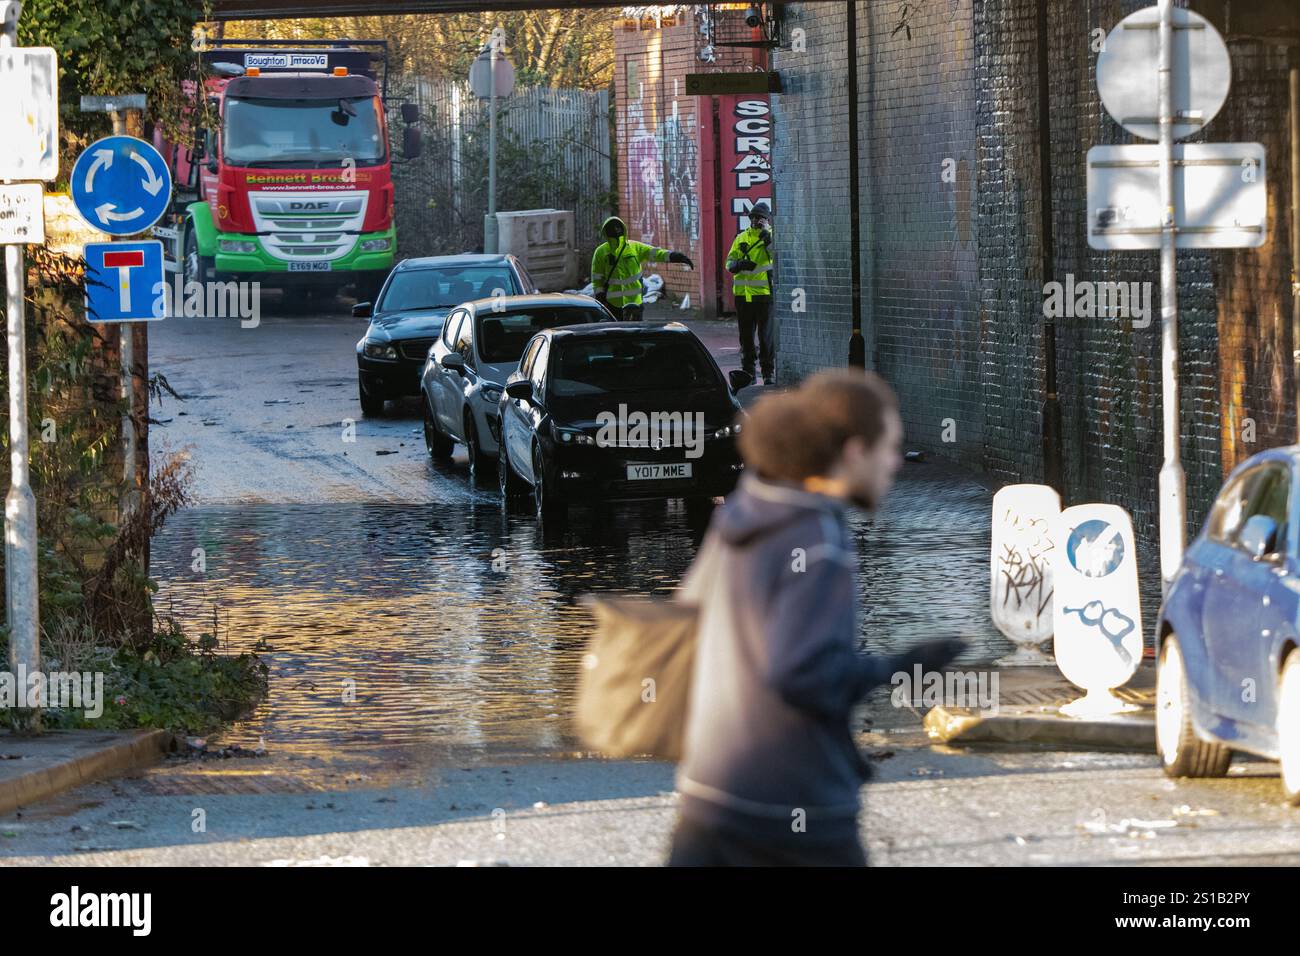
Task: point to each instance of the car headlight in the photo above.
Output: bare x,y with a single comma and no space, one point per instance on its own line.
492,393
376,245
236,245
574,436
727,431
379,350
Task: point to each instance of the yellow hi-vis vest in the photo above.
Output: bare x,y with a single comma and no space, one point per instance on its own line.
616,269
746,285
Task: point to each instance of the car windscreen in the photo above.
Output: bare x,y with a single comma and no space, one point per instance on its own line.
302,133
444,287
629,364
503,335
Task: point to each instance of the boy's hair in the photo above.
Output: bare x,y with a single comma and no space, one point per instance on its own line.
798,434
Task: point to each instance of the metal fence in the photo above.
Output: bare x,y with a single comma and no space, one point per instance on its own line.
553,151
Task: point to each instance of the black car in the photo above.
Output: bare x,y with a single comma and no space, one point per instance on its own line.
409,312
616,411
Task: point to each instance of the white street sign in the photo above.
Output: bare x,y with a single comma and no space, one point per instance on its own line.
29,113
1200,76
480,76
1097,614
1220,199
22,213
1020,566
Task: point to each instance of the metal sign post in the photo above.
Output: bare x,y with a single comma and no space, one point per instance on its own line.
1172,484
134,191
1193,73
30,84
491,76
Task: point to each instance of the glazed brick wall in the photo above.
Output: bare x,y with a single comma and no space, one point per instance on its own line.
810,168
953,272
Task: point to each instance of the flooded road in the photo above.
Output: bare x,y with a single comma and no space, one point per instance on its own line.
397,607
460,628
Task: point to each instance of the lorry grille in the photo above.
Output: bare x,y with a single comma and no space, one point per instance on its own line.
308,226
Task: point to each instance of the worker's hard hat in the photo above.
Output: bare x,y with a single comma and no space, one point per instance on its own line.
760,210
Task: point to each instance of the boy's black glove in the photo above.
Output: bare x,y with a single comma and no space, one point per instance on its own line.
682,258
765,236
931,655
746,265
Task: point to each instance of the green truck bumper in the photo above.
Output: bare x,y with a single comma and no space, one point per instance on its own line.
260,261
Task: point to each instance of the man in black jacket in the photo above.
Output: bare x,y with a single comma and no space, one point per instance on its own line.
770,773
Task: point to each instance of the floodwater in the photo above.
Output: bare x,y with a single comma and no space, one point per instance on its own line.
454,627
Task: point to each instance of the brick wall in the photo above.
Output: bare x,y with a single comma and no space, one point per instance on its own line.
810,169
953,271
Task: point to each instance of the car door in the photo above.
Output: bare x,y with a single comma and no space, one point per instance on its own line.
1231,610
1251,667
435,371
447,381
513,421
458,385
534,410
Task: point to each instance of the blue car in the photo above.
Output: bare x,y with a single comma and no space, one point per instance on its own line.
1228,676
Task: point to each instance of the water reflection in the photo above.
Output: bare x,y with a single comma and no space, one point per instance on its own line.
456,626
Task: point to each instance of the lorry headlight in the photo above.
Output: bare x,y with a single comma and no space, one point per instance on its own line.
236,245
376,245
379,350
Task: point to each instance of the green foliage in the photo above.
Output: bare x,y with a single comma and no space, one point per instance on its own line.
108,47
559,48
178,684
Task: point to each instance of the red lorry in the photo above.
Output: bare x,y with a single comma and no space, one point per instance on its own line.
289,180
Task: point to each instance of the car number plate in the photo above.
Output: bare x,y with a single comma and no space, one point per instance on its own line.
653,471
326,266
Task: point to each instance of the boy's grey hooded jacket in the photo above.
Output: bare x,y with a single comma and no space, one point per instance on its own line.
777,670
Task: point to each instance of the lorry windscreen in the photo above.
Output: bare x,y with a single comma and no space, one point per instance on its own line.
303,133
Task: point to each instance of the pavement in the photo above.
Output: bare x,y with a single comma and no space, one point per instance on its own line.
33,768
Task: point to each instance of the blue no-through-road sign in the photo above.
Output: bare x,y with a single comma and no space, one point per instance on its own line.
121,185
124,281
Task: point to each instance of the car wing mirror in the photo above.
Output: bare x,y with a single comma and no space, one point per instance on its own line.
522,389
453,361
739,378
1258,537
363,310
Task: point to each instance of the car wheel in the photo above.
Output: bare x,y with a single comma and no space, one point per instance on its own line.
510,485
438,444
372,406
478,465
1182,753
1288,726
549,504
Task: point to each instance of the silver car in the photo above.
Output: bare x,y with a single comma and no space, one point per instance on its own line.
467,365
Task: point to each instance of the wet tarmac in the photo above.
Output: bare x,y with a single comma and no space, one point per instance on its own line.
397,607
460,628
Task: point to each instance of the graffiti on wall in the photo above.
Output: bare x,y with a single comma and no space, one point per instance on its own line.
664,201
681,161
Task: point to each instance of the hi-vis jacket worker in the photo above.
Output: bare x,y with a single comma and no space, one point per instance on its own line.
750,262
616,269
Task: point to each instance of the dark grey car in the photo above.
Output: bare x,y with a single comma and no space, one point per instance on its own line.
409,313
